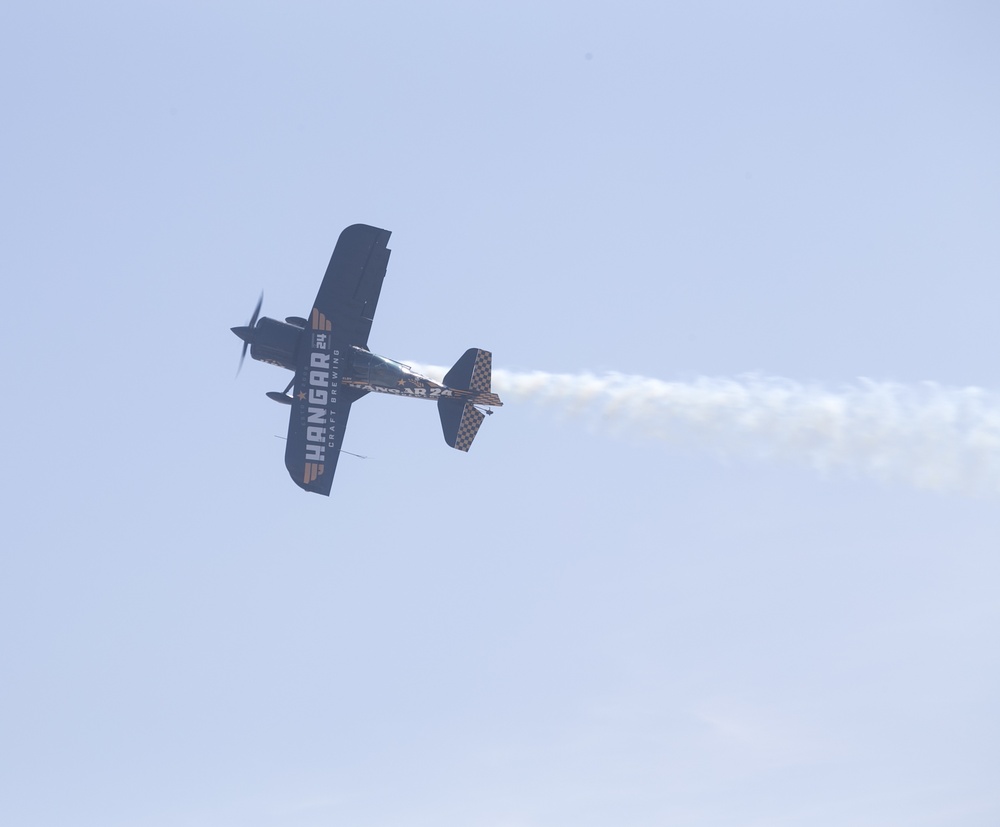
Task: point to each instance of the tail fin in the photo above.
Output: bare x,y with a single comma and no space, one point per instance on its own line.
460,421
472,372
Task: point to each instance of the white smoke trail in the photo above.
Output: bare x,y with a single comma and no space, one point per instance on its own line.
927,435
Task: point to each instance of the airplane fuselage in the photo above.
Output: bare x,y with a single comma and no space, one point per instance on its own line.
277,343
370,372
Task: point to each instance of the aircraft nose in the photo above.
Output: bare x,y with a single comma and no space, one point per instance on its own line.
244,332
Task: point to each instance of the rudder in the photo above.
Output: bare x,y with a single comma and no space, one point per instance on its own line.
472,372
460,422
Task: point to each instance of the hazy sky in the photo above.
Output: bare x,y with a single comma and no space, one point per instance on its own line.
573,625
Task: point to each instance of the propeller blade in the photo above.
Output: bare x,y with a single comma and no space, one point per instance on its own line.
243,356
256,310
247,331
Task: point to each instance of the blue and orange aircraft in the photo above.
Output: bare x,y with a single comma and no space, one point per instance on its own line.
328,353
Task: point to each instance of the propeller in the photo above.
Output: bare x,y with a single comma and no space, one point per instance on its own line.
246,332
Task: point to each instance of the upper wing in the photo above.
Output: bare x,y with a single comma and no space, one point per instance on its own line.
318,418
345,304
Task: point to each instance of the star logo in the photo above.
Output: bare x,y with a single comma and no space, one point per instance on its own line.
302,396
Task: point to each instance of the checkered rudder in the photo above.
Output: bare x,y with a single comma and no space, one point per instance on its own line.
472,418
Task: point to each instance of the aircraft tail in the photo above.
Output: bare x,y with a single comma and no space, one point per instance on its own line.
460,422
474,372
460,418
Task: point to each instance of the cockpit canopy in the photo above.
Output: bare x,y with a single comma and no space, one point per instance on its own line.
375,370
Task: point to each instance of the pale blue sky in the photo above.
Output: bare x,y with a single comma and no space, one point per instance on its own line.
563,627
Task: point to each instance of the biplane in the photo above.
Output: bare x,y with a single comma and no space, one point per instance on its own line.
327,352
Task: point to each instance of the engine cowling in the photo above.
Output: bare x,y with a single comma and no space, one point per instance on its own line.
275,342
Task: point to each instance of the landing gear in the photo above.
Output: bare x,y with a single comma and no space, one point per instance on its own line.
282,396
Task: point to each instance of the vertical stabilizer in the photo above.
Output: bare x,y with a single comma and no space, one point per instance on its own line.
472,372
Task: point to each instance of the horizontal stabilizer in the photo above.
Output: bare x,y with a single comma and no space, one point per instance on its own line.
460,422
